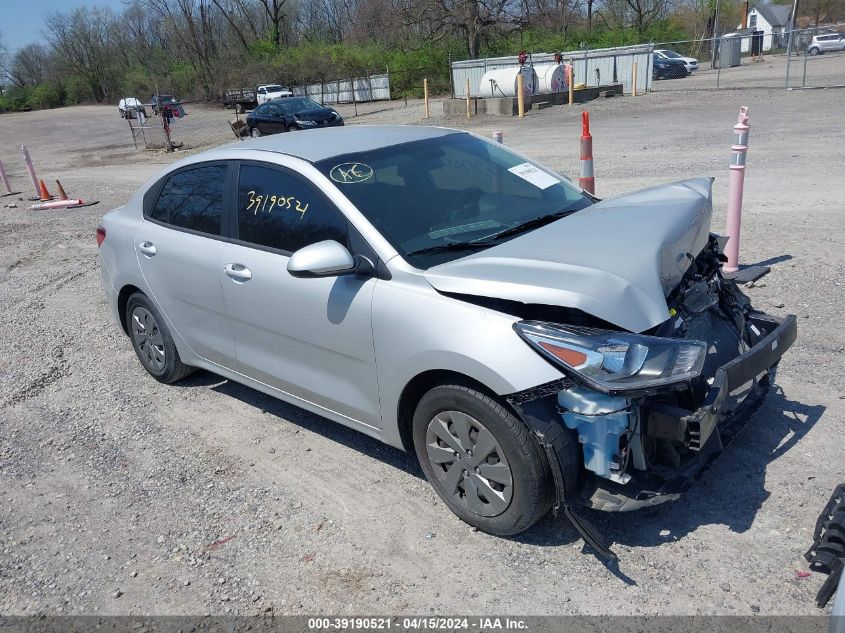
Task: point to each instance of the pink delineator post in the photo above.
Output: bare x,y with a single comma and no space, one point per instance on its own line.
739,151
28,162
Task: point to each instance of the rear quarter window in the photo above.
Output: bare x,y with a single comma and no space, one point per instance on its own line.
192,199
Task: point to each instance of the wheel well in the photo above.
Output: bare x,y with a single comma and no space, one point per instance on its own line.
122,300
417,388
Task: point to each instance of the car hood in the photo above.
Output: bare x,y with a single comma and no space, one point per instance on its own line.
323,114
616,260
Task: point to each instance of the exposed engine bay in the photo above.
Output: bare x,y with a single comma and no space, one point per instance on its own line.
622,447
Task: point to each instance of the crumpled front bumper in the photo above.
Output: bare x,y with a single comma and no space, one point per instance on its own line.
706,430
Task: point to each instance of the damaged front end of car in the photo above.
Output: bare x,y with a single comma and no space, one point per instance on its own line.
639,416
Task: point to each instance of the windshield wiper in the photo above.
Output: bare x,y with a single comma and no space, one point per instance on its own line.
527,226
453,247
493,240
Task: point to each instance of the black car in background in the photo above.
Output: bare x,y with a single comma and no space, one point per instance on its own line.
291,113
668,68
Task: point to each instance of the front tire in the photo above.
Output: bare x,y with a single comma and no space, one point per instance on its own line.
255,133
481,460
152,342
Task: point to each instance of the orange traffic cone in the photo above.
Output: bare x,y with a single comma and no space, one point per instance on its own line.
62,194
45,195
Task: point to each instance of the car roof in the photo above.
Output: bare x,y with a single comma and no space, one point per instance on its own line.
317,145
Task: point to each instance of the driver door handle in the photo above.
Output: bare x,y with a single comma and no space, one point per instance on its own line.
238,272
147,248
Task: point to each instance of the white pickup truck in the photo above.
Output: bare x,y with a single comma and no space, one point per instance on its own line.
243,99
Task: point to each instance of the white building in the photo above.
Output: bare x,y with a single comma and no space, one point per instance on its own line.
772,19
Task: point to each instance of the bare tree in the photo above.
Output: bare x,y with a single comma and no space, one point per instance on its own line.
82,41
276,15
30,66
4,55
822,10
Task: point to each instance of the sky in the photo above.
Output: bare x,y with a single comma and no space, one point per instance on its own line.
21,21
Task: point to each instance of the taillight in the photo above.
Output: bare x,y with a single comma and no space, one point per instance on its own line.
101,236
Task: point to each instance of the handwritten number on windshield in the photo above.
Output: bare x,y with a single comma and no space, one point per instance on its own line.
259,203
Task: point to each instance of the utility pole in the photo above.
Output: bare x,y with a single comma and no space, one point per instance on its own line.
792,22
716,37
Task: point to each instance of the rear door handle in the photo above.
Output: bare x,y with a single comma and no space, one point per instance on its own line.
147,248
238,272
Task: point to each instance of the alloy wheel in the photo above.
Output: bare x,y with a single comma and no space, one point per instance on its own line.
469,465
148,339
255,133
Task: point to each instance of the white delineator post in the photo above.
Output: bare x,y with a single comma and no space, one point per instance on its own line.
739,150
5,180
31,169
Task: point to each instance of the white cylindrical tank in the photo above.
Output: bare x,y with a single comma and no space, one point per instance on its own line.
550,78
501,82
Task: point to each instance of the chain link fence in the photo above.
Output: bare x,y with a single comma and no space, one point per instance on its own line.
815,59
807,58
183,125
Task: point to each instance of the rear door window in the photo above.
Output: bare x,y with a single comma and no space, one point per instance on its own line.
193,199
278,210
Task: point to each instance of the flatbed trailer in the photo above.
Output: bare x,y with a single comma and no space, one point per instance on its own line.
241,99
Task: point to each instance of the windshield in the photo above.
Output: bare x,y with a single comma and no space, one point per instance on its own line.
671,54
292,105
273,88
443,198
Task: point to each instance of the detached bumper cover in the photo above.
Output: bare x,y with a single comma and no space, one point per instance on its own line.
708,429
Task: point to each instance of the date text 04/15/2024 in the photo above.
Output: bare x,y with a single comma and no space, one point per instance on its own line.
410,623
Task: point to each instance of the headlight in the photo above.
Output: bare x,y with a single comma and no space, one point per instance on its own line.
612,362
305,123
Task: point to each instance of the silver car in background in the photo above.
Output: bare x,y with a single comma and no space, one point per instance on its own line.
826,43
536,348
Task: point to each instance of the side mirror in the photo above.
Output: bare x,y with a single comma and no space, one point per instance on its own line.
326,259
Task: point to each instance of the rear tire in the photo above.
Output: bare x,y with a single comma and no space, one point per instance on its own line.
505,487
239,108
152,342
814,51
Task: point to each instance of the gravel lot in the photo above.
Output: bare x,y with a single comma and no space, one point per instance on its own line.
123,496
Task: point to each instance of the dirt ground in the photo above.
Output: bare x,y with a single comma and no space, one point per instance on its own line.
124,496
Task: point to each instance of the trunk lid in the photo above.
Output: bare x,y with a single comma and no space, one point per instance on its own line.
616,260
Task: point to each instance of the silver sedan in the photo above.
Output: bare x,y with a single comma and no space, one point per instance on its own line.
537,348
